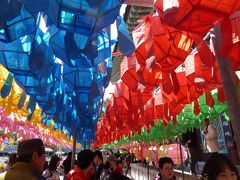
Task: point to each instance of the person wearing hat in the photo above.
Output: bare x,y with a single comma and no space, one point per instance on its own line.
111,171
84,168
98,160
30,161
112,159
109,167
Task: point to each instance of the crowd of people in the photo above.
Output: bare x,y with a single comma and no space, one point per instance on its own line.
217,167
29,164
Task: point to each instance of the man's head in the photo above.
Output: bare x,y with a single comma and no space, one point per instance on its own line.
85,161
98,157
206,120
32,151
165,165
111,158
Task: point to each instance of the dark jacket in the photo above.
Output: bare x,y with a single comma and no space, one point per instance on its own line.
98,171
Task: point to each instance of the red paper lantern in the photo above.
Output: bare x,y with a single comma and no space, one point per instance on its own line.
196,16
138,78
165,108
187,93
128,72
149,111
235,52
169,46
205,77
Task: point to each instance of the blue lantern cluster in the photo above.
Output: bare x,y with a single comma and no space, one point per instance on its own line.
59,52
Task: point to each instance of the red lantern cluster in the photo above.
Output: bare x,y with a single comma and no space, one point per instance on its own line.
197,16
163,75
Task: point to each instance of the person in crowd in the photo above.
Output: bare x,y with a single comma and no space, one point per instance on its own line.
110,171
190,139
120,164
67,163
11,160
109,167
51,172
128,162
84,168
210,138
106,172
30,161
98,160
166,172
219,167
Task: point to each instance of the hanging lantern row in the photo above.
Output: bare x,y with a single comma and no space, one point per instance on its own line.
156,127
19,103
59,52
160,132
166,71
28,130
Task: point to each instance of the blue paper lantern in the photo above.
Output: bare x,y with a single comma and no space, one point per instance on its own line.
42,100
59,52
83,16
41,58
23,24
9,10
108,12
33,86
125,42
78,78
15,56
100,47
67,47
35,6
74,17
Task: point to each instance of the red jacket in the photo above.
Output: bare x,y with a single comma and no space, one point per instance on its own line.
76,174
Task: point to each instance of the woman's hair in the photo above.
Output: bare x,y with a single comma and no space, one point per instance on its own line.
164,160
217,164
67,163
98,153
69,156
53,163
